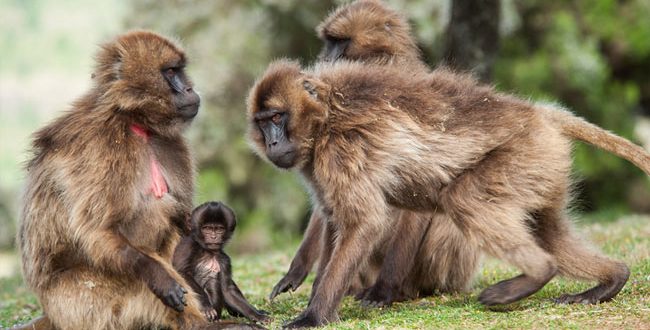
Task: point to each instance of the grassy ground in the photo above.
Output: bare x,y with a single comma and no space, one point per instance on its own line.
627,239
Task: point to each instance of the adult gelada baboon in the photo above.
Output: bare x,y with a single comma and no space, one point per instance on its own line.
368,136
416,258
108,187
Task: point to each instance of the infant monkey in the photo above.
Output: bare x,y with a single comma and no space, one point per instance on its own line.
199,257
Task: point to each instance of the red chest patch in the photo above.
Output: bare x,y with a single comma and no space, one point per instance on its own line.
158,185
213,265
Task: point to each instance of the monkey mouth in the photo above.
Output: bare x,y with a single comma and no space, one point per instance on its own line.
189,111
213,246
285,160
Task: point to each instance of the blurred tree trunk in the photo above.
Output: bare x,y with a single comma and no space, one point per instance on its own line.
473,36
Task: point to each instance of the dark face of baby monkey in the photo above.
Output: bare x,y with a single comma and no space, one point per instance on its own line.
212,226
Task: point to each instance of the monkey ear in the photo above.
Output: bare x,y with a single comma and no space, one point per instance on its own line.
233,217
310,88
316,88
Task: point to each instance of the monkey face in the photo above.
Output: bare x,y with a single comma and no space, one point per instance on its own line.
144,75
212,225
213,235
273,125
186,101
285,109
365,30
334,48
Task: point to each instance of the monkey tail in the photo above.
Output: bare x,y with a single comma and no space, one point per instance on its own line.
578,128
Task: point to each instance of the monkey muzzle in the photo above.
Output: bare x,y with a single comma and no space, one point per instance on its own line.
187,104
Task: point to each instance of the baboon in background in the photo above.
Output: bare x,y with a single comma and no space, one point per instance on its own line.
369,31
424,252
200,258
108,186
366,136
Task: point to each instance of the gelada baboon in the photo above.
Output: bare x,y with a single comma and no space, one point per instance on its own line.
420,259
365,137
369,31
200,258
108,187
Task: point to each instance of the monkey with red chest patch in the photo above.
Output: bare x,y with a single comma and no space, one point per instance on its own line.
107,189
200,258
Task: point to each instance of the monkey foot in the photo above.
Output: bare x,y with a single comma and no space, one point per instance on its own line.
309,320
379,296
601,293
261,316
581,298
210,314
221,325
511,290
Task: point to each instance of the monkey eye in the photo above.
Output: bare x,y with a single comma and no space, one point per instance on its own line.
336,39
170,72
276,119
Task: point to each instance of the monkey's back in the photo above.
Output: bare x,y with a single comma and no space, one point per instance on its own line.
426,129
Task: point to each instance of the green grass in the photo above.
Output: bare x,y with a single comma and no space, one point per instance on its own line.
627,239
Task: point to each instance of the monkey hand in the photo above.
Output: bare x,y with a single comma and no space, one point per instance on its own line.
261,316
311,318
210,314
292,280
164,286
173,295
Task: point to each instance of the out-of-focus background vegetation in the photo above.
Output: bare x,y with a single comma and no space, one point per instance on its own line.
591,55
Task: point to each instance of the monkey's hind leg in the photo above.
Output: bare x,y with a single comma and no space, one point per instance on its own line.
85,299
501,231
517,247
447,260
494,216
577,259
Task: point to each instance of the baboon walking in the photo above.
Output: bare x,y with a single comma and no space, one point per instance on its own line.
415,258
368,137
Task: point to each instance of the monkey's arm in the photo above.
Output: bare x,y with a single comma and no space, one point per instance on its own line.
359,216
183,263
305,258
99,237
116,252
234,299
183,255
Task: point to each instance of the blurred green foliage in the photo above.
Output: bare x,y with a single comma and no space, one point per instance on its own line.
47,49
579,53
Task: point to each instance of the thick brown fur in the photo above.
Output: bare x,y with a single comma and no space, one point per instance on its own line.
200,258
423,253
375,34
368,137
96,244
